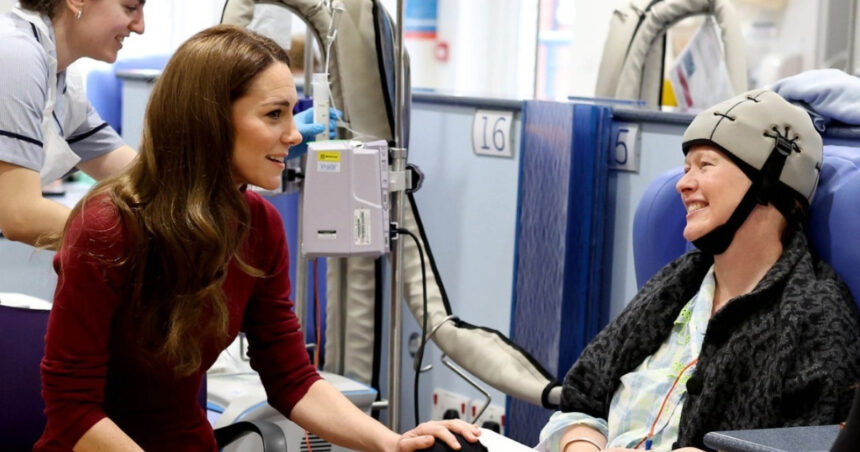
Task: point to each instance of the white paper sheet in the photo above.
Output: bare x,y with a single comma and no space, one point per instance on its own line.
699,76
498,443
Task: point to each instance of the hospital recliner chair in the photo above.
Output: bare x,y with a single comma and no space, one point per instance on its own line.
22,344
833,218
659,222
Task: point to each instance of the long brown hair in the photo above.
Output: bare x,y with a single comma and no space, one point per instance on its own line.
46,7
178,202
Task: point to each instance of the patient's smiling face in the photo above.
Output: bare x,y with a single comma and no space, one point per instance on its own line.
711,189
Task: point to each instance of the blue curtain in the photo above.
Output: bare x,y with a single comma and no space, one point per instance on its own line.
562,264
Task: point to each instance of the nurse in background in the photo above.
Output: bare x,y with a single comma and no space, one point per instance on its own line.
47,126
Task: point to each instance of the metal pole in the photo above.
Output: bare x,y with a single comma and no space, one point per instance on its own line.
852,36
395,310
301,294
537,51
398,163
309,61
399,82
301,289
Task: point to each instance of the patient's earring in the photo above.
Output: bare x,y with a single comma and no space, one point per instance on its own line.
79,13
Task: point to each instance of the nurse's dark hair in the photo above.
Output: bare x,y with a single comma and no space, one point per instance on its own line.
46,7
179,202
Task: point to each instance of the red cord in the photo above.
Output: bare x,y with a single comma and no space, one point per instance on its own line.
318,323
665,400
308,441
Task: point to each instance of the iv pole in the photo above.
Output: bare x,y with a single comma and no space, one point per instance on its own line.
852,37
398,166
398,155
301,284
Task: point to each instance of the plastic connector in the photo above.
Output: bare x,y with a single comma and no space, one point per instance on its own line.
322,103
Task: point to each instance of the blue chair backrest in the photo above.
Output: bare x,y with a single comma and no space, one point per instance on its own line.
22,344
660,218
104,88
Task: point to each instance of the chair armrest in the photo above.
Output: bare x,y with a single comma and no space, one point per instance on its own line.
273,437
788,439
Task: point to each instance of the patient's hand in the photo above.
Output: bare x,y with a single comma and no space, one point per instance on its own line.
425,435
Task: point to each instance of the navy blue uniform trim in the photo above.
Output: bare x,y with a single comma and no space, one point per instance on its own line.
59,124
21,137
87,134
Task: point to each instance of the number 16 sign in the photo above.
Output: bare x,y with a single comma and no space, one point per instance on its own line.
491,133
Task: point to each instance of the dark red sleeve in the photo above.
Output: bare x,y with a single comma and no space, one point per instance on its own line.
76,344
276,342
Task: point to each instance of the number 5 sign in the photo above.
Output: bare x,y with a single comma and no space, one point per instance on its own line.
491,133
624,152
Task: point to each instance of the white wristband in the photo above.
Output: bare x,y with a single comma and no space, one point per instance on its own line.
578,439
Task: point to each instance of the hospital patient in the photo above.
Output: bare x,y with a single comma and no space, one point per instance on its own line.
748,331
162,266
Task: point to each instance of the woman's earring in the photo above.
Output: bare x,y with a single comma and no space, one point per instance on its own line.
79,13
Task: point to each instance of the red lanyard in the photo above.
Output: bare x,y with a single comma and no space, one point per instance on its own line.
647,439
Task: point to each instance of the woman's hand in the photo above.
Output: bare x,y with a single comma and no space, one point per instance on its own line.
425,435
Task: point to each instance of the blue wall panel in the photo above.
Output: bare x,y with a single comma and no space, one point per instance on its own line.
288,207
562,256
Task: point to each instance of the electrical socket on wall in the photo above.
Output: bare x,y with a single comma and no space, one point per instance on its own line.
447,403
493,417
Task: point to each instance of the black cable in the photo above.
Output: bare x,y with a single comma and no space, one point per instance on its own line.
420,352
377,331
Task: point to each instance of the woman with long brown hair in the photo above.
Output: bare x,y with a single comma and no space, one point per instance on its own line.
163,265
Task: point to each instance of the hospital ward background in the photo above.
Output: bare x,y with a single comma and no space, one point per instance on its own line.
496,192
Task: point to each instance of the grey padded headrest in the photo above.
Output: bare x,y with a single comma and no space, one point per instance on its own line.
632,63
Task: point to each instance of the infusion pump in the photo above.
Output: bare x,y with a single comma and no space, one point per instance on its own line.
345,199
